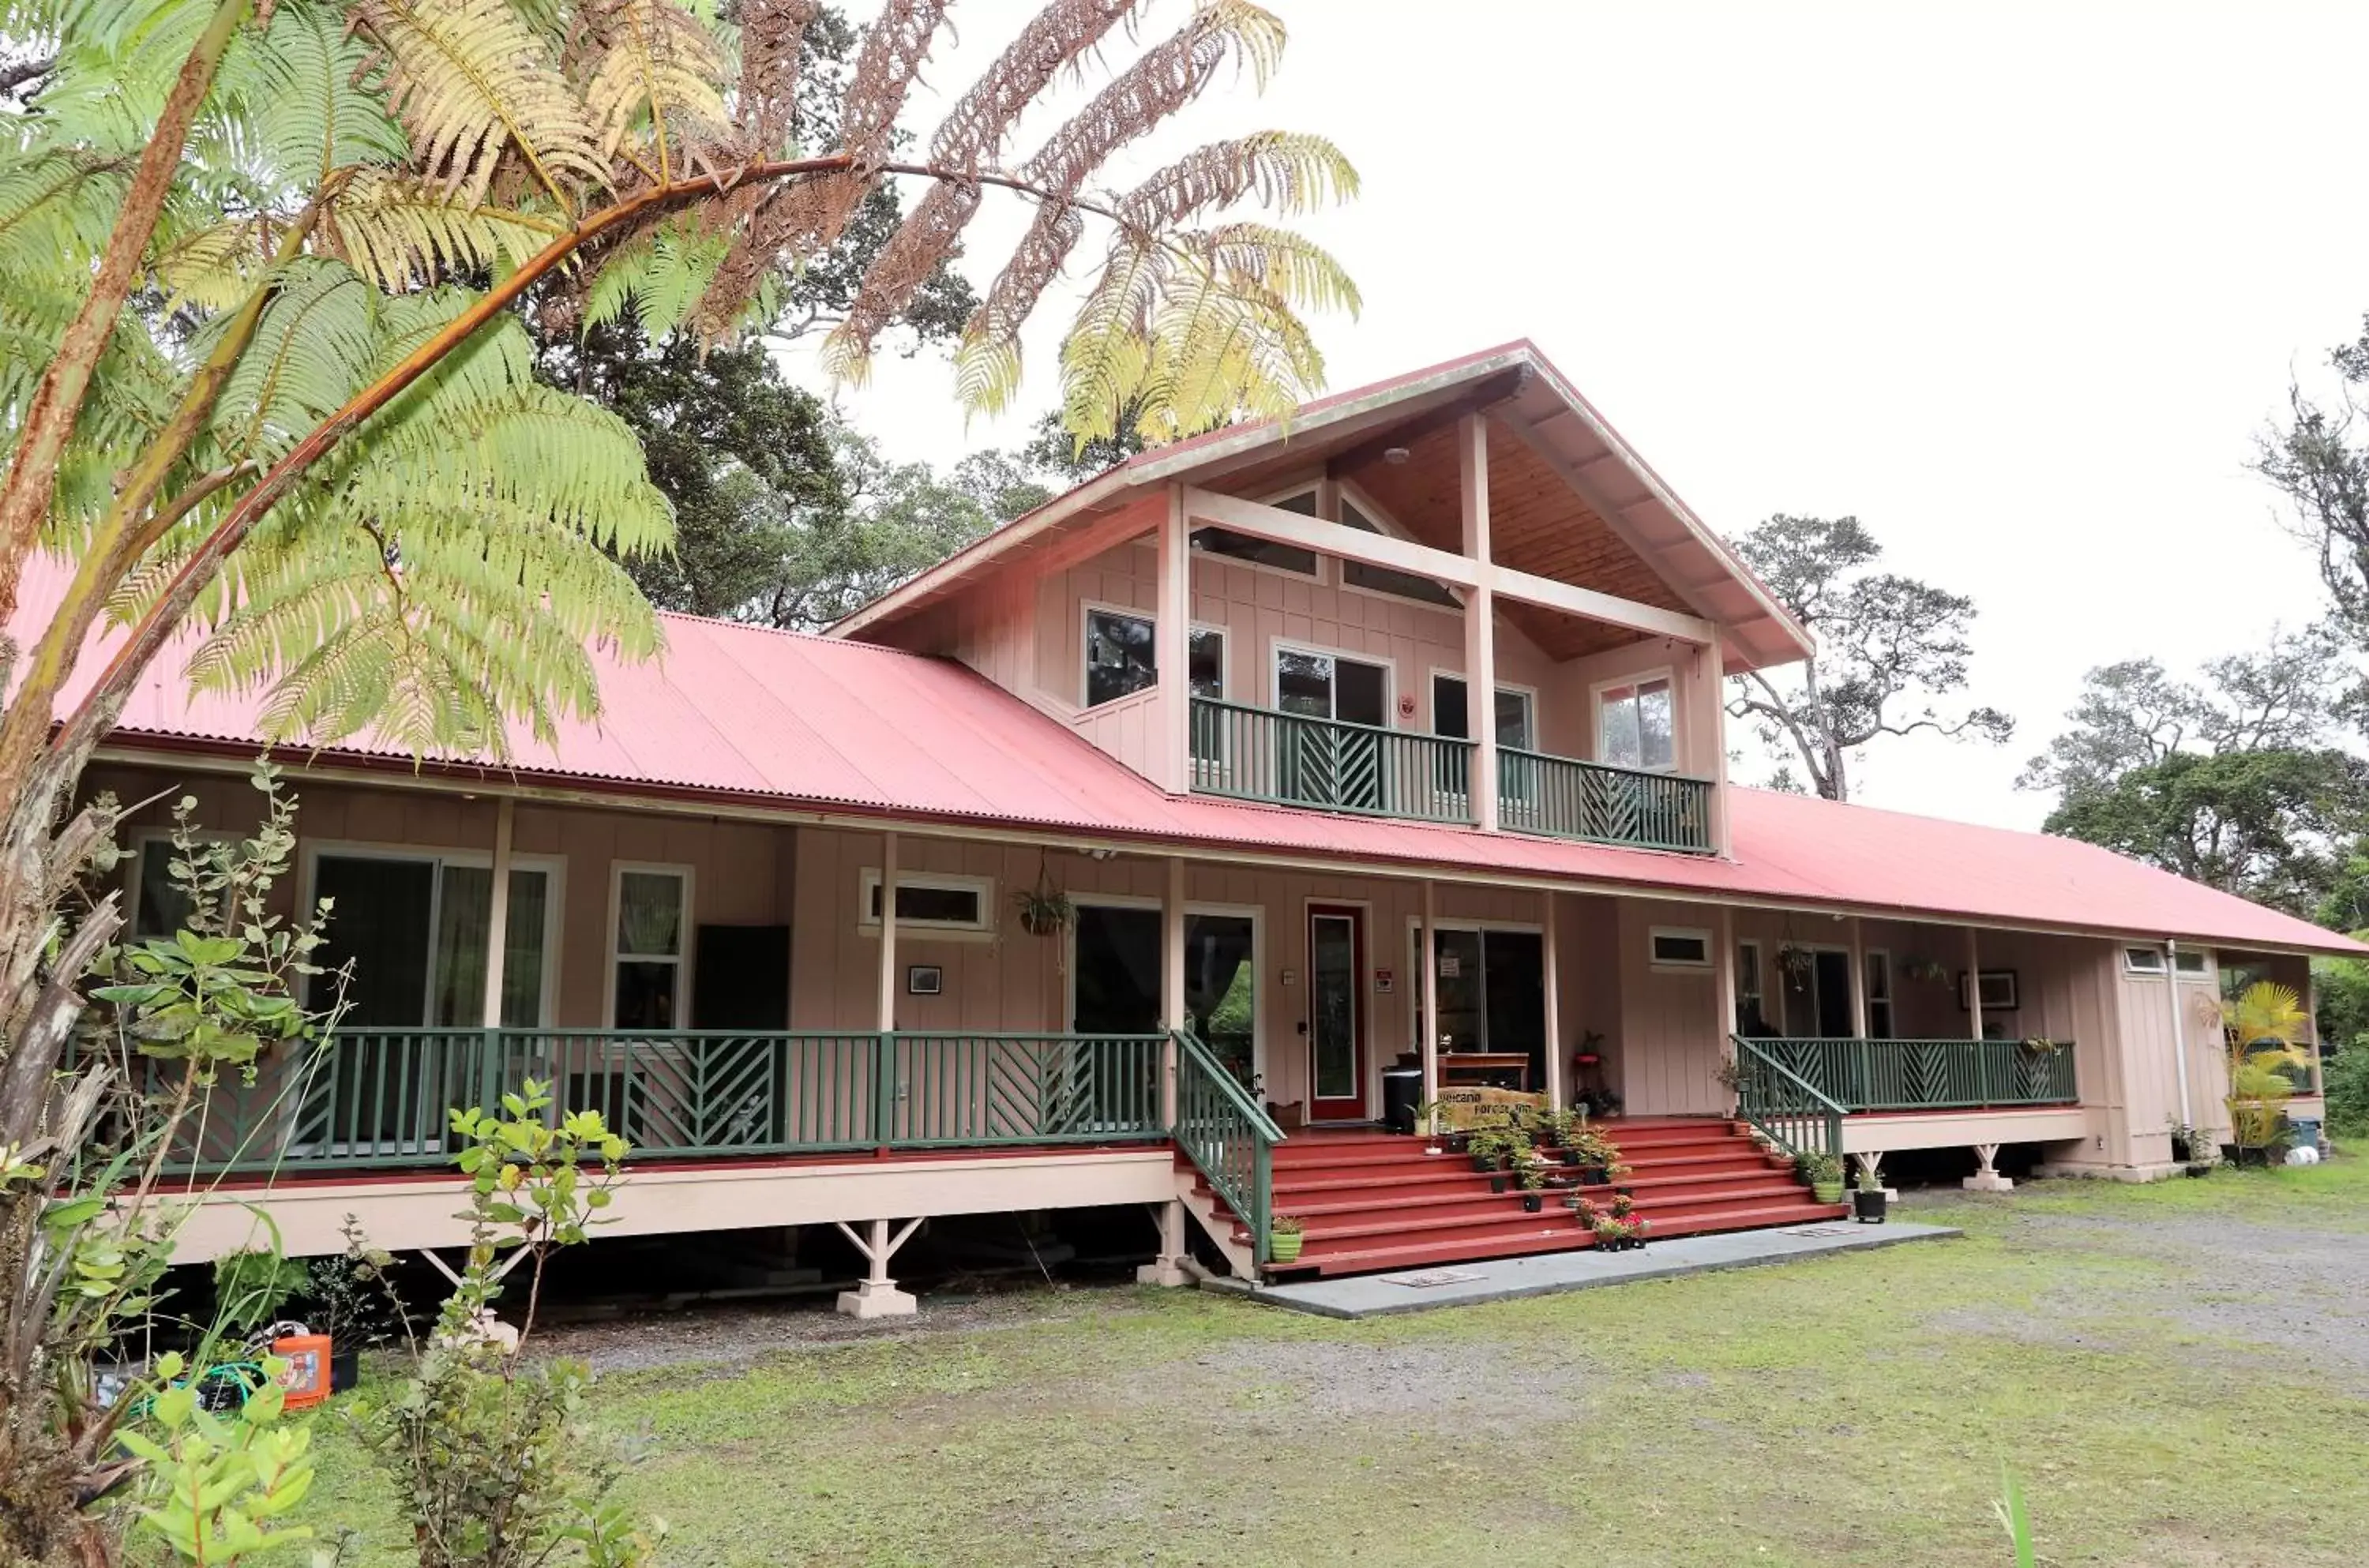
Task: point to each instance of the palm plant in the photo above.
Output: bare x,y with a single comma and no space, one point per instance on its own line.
2259,1025
264,382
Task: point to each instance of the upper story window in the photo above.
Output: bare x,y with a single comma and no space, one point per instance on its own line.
1451,713
1384,579
1119,655
1635,725
1263,552
1122,656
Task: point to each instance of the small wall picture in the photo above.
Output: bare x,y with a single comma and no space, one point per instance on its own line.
924,979
1998,991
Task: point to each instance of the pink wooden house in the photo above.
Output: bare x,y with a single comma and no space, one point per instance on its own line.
1373,756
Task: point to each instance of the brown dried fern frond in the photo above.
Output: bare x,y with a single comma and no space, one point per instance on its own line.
1165,79
975,131
654,64
773,33
1287,171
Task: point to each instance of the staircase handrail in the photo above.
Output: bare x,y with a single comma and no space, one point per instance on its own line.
1228,1136
1787,1126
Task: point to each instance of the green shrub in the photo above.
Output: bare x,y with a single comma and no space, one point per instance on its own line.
2347,1078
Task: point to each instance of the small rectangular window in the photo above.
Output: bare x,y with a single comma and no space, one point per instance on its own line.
1879,995
926,902
1636,726
2191,962
1674,947
1119,655
646,986
2143,960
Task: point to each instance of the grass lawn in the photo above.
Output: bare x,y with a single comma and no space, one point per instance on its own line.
2179,1374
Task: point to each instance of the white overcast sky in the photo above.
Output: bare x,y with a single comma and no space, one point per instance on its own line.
2017,284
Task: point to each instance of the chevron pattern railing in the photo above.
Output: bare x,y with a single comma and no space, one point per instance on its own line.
1559,797
380,1099
1292,760
1931,1075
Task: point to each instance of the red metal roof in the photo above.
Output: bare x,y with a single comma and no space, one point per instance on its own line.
753,714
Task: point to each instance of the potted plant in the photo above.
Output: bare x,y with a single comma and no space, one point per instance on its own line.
1531,1171
1043,909
251,1287
346,1299
1595,1154
1284,1236
1868,1197
1824,1175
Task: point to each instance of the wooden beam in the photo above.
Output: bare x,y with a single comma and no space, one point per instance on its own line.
1172,983
1262,521
1528,588
1480,621
1429,1044
887,1012
1551,982
1172,631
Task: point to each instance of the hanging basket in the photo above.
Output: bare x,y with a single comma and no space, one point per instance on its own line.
1045,909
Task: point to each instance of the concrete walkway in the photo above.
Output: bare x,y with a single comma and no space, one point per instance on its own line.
1461,1285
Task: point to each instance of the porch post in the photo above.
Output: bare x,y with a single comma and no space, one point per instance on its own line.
1975,981
1429,1044
1554,1009
876,1296
1480,622
1723,993
886,1018
1859,981
1172,983
498,924
1171,642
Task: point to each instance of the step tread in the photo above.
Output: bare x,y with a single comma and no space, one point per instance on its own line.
1377,1260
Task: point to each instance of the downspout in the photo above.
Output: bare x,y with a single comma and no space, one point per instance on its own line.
2179,1035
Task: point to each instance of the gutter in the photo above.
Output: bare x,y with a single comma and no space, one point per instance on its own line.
2179,1033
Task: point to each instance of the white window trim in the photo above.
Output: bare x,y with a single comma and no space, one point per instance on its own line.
1389,665
1638,677
1391,528
1437,672
1321,578
1087,609
554,868
2156,970
682,960
867,882
1703,966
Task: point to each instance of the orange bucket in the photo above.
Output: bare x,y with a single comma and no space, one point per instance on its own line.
306,1380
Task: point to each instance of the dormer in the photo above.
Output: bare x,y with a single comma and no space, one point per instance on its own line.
1299,615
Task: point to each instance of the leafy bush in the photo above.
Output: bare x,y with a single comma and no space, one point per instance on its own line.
2346,1074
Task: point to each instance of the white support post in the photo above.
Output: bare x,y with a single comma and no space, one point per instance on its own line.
1172,983
876,1296
1973,983
1167,1269
1429,1044
2180,1065
1480,621
1859,982
1723,993
1988,1179
1172,644
498,922
888,1010
1554,987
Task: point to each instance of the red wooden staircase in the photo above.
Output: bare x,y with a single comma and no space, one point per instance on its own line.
1372,1201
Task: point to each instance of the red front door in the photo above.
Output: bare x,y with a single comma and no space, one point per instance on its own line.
1336,1013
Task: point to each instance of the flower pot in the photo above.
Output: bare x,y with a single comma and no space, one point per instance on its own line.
1497,1183
1571,1156
1533,1202
1828,1191
1484,1162
345,1366
1869,1206
1594,1177
1283,1246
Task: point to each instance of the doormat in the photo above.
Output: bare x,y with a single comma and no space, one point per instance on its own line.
1429,1278
1824,1230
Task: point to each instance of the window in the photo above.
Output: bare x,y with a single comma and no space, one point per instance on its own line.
926,902
648,959
2143,960
1327,685
2191,963
1634,724
1205,666
1751,1013
1119,655
159,909
1263,552
1451,713
1492,988
1879,994
1674,947
419,930
1385,580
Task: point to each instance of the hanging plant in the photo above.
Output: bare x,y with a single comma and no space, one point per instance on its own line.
1926,970
1045,909
1796,961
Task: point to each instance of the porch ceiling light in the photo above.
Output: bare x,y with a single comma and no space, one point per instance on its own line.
1395,455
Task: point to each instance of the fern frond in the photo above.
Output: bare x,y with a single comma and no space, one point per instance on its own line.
472,81
402,234
312,349
1287,171
660,66
312,109
662,274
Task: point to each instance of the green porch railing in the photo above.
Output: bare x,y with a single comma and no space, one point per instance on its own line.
1229,1137
1563,798
1781,1103
1930,1075
1292,760
375,1099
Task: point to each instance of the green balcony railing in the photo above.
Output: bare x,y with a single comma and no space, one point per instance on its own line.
1228,1136
1292,760
1558,797
1931,1075
1782,1104
373,1099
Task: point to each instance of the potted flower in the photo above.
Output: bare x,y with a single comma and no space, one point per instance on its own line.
1868,1197
1595,1154
1531,1171
1285,1236
1824,1175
